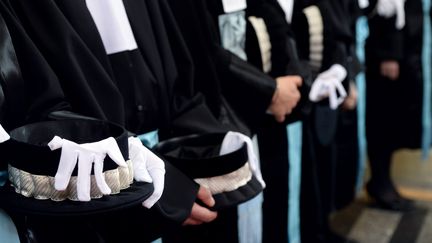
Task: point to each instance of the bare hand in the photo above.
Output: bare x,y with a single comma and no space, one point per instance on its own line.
390,69
286,97
351,101
200,214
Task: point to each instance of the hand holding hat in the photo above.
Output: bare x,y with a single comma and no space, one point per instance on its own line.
390,8
328,84
85,155
147,168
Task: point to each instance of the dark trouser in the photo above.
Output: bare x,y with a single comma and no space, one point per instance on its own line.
222,230
393,116
347,159
317,186
273,149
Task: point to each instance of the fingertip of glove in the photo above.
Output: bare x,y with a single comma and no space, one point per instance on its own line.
55,143
148,203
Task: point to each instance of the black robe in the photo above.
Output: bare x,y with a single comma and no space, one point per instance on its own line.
320,130
219,74
29,91
274,155
394,108
237,93
91,84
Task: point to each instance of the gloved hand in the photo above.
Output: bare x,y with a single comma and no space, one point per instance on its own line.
390,8
4,136
328,84
148,168
86,155
233,141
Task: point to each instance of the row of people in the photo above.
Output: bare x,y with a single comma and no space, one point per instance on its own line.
198,67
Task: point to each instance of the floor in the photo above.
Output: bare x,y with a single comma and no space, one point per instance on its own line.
366,224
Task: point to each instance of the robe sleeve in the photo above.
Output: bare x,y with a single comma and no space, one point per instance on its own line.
30,88
81,76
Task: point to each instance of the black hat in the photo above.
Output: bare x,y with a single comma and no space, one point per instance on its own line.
32,167
227,176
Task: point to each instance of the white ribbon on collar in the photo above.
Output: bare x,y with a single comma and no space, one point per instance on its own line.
230,6
234,141
287,6
4,136
113,25
328,84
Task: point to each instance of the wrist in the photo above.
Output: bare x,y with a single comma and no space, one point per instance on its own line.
275,94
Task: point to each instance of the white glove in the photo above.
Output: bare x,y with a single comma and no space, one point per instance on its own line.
148,168
328,84
233,141
4,136
390,8
86,155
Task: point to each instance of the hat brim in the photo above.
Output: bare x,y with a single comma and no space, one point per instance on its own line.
198,157
132,196
28,151
238,196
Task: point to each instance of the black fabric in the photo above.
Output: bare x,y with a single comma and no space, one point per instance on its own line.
222,229
29,88
198,157
347,159
22,100
88,80
325,123
219,74
380,159
238,196
11,75
338,36
273,150
236,92
197,118
86,85
285,59
272,136
155,80
178,197
321,129
132,196
317,186
103,228
29,151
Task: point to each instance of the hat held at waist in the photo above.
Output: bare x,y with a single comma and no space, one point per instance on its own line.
228,176
34,169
